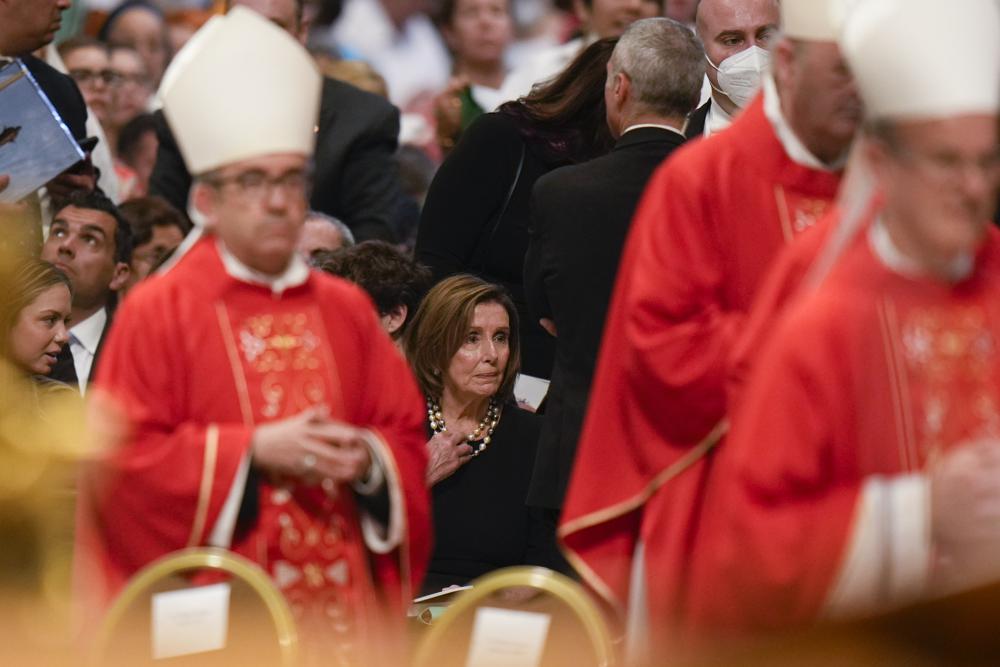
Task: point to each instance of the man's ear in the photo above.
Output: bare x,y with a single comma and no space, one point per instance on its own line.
582,10
120,277
622,87
393,321
783,63
875,151
203,200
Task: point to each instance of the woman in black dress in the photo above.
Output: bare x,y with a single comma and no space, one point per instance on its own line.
463,347
475,217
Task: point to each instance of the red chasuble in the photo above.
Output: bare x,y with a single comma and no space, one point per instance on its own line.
712,219
872,374
195,360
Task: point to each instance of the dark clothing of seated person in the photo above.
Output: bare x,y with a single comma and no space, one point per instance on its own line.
462,345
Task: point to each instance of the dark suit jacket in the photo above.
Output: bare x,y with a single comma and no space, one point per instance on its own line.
580,216
696,123
459,231
356,178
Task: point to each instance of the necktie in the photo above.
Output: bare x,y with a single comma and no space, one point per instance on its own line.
64,369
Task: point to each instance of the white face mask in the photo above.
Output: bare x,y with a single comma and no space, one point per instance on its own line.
740,74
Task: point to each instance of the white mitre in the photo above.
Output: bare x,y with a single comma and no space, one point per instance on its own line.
924,59
241,88
812,20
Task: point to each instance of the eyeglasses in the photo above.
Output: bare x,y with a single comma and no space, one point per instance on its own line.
951,168
257,185
125,78
86,76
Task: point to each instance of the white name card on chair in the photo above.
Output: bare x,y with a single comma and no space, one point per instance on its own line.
192,620
507,638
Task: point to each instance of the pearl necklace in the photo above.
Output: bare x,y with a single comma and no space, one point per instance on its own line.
481,435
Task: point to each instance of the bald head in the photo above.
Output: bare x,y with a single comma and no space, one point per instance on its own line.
735,24
727,27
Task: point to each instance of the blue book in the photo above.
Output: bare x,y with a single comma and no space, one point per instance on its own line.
35,144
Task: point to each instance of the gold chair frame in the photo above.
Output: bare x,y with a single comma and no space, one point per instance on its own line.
204,558
559,586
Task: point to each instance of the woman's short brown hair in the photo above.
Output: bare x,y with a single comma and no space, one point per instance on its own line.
441,324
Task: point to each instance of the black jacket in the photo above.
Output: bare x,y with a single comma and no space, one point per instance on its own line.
458,233
481,522
696,123
356,178
580,217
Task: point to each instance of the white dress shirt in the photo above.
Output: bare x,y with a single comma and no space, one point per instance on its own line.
717,120
83,341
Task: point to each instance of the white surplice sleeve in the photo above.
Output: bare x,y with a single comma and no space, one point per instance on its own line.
889,556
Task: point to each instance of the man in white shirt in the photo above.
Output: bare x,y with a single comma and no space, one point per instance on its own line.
92,243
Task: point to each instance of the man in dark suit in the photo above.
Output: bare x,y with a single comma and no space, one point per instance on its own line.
356,179
580,216
91,243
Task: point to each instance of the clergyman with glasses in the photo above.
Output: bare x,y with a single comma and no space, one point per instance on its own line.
262,408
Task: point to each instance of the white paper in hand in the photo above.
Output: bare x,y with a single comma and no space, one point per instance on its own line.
507,638
530,390
193,620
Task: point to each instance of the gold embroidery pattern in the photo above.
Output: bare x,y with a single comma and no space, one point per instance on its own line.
951,359
313,563
309,539
807,213
285,353
797,213
279,343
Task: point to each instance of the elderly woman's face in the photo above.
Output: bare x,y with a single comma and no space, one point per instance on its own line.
478,366
40,331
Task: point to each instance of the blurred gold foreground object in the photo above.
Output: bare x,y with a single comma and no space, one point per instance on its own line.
201,559
438,647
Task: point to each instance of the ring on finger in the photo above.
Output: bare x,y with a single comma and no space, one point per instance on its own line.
309,462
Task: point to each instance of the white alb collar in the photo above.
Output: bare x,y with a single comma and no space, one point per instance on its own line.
889,254
295,274
88,332
794,148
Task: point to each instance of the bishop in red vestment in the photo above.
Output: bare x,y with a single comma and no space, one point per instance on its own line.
867,380
196,360
710,223
861,470
258,405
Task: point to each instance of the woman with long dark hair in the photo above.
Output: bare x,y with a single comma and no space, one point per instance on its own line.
475,218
